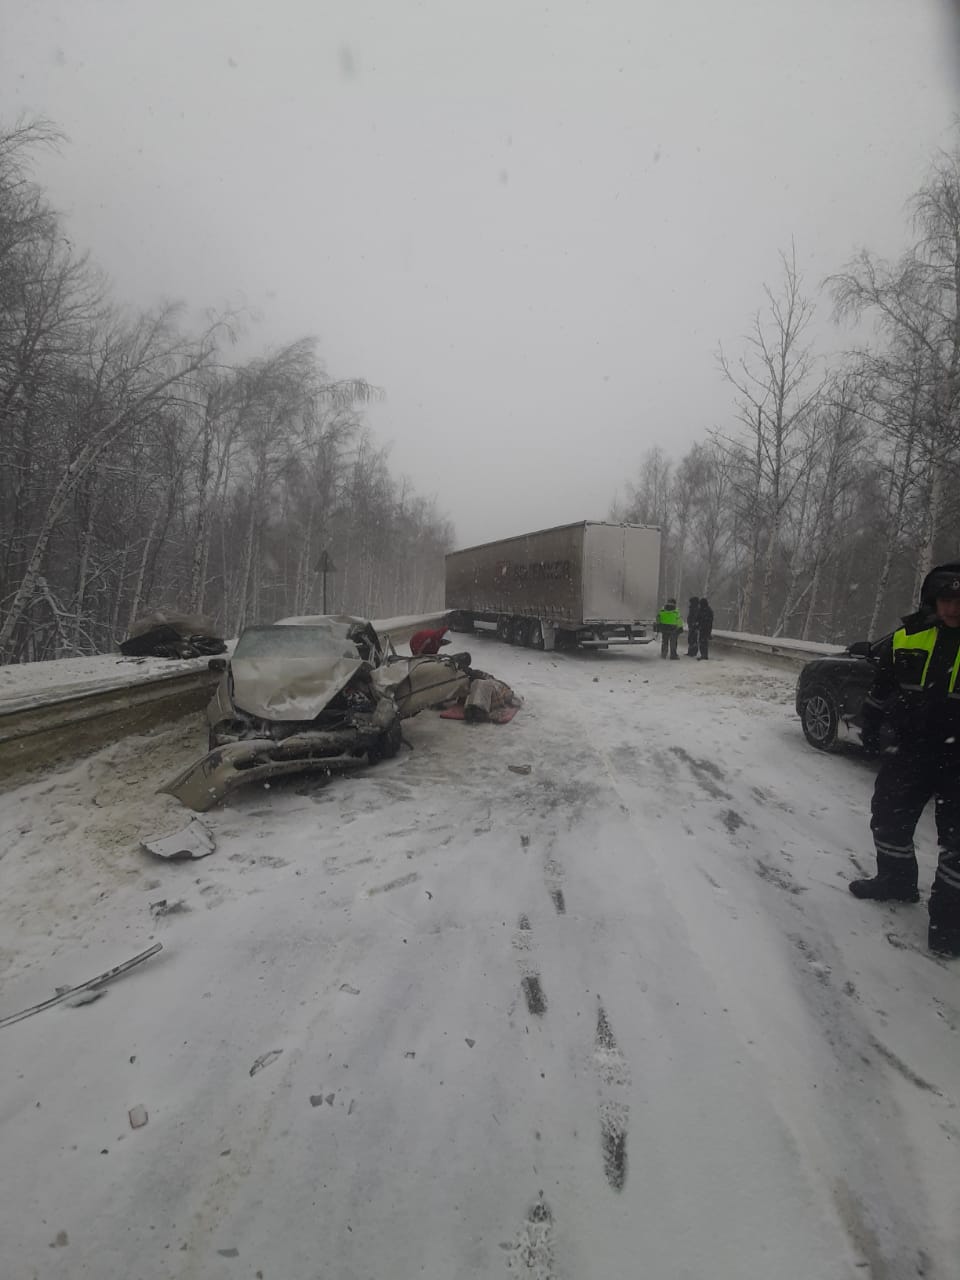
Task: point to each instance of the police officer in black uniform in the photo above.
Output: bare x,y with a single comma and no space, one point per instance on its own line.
704,628
915,700
692,630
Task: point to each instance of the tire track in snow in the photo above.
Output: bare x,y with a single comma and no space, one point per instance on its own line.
530,981
614,1074
553,875
532,1251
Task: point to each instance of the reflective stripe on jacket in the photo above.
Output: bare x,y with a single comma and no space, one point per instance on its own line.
916,686
912,654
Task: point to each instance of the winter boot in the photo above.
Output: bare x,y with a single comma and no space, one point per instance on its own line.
944,939
884,889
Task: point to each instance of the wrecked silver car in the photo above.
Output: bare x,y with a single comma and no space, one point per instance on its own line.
325,694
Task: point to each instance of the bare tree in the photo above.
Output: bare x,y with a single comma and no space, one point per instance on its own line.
133,369
690,478
138,469
712,522
776,391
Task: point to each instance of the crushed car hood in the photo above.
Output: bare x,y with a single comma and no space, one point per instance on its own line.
285,688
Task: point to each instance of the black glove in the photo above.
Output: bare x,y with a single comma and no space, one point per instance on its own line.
877,735
871,720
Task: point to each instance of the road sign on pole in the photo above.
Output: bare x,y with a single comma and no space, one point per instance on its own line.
324,566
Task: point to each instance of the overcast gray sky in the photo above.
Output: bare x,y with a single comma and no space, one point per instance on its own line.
530,224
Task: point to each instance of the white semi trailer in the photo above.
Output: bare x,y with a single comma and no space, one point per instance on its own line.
591,584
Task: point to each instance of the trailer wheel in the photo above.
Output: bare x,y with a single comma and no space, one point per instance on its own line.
503,628
534,636
517,631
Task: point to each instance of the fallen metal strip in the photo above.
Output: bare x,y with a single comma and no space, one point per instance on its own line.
101,980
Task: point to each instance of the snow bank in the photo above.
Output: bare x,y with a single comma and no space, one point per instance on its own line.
75,675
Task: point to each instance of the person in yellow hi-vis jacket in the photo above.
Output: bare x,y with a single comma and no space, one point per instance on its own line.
669,624
915,700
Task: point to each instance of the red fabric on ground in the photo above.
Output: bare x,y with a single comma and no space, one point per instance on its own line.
422,642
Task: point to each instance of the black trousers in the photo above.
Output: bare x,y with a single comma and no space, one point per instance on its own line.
705,645
907,781
668,640
692,635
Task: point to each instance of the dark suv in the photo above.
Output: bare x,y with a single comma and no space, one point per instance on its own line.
830,694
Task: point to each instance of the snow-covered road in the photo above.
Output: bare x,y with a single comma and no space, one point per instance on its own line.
616,1016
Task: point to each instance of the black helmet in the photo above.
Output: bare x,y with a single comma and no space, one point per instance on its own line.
942,582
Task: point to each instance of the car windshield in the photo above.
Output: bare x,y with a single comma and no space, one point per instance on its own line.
328,641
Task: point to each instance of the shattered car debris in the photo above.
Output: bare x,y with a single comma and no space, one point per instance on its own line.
190,842
323,695
171,635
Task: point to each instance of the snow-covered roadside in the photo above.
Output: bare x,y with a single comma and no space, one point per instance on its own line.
41,681
616,1015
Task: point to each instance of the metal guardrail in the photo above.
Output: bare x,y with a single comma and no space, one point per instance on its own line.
793,653
39,731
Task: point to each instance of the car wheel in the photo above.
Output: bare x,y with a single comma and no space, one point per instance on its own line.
820,717
387,745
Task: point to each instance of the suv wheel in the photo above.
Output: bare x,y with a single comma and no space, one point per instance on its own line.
820,717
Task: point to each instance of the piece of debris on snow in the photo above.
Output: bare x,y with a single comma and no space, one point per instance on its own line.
490,699
229,1253
470,1042
351,991
60,1240
264,1060
165,908
138,1116
519,768
191,841
172,635
316,1099
85,997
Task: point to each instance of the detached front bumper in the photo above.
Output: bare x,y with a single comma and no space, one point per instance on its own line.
210,779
